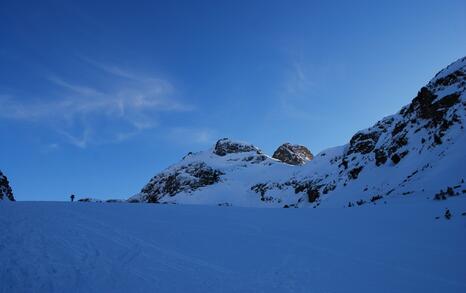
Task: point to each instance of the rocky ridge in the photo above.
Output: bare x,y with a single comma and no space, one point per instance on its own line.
415,152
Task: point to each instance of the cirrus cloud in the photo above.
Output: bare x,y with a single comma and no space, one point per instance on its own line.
84,115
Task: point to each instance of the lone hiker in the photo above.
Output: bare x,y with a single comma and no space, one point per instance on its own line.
72,197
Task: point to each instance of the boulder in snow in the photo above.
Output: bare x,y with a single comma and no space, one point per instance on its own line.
293,154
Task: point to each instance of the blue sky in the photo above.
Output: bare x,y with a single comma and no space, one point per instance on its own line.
95,98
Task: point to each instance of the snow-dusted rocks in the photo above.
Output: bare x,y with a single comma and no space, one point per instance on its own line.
182,178
293,154
420,126
5,190
416,152
89,199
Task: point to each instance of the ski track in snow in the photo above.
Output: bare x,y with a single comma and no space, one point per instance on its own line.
92,247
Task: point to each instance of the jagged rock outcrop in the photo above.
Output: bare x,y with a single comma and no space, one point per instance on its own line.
226,146
293,154
417,151
5,188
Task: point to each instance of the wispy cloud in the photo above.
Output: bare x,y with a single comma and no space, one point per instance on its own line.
293,98
110,69
298,81
83,114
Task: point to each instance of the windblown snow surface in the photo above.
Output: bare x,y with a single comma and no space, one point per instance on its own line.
101,247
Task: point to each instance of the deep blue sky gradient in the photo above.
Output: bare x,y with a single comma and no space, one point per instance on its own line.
95,98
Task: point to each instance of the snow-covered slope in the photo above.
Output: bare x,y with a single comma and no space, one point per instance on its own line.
417,152
5,189
92,247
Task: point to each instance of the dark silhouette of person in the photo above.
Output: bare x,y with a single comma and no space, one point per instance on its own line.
72,197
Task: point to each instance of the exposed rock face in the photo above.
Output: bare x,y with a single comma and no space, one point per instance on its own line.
293,154
226,146
5,189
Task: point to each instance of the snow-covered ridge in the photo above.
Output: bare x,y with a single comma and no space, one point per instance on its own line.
415,152
5,189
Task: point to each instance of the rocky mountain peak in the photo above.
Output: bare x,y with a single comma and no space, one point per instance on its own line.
226,146
293,154
5,189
